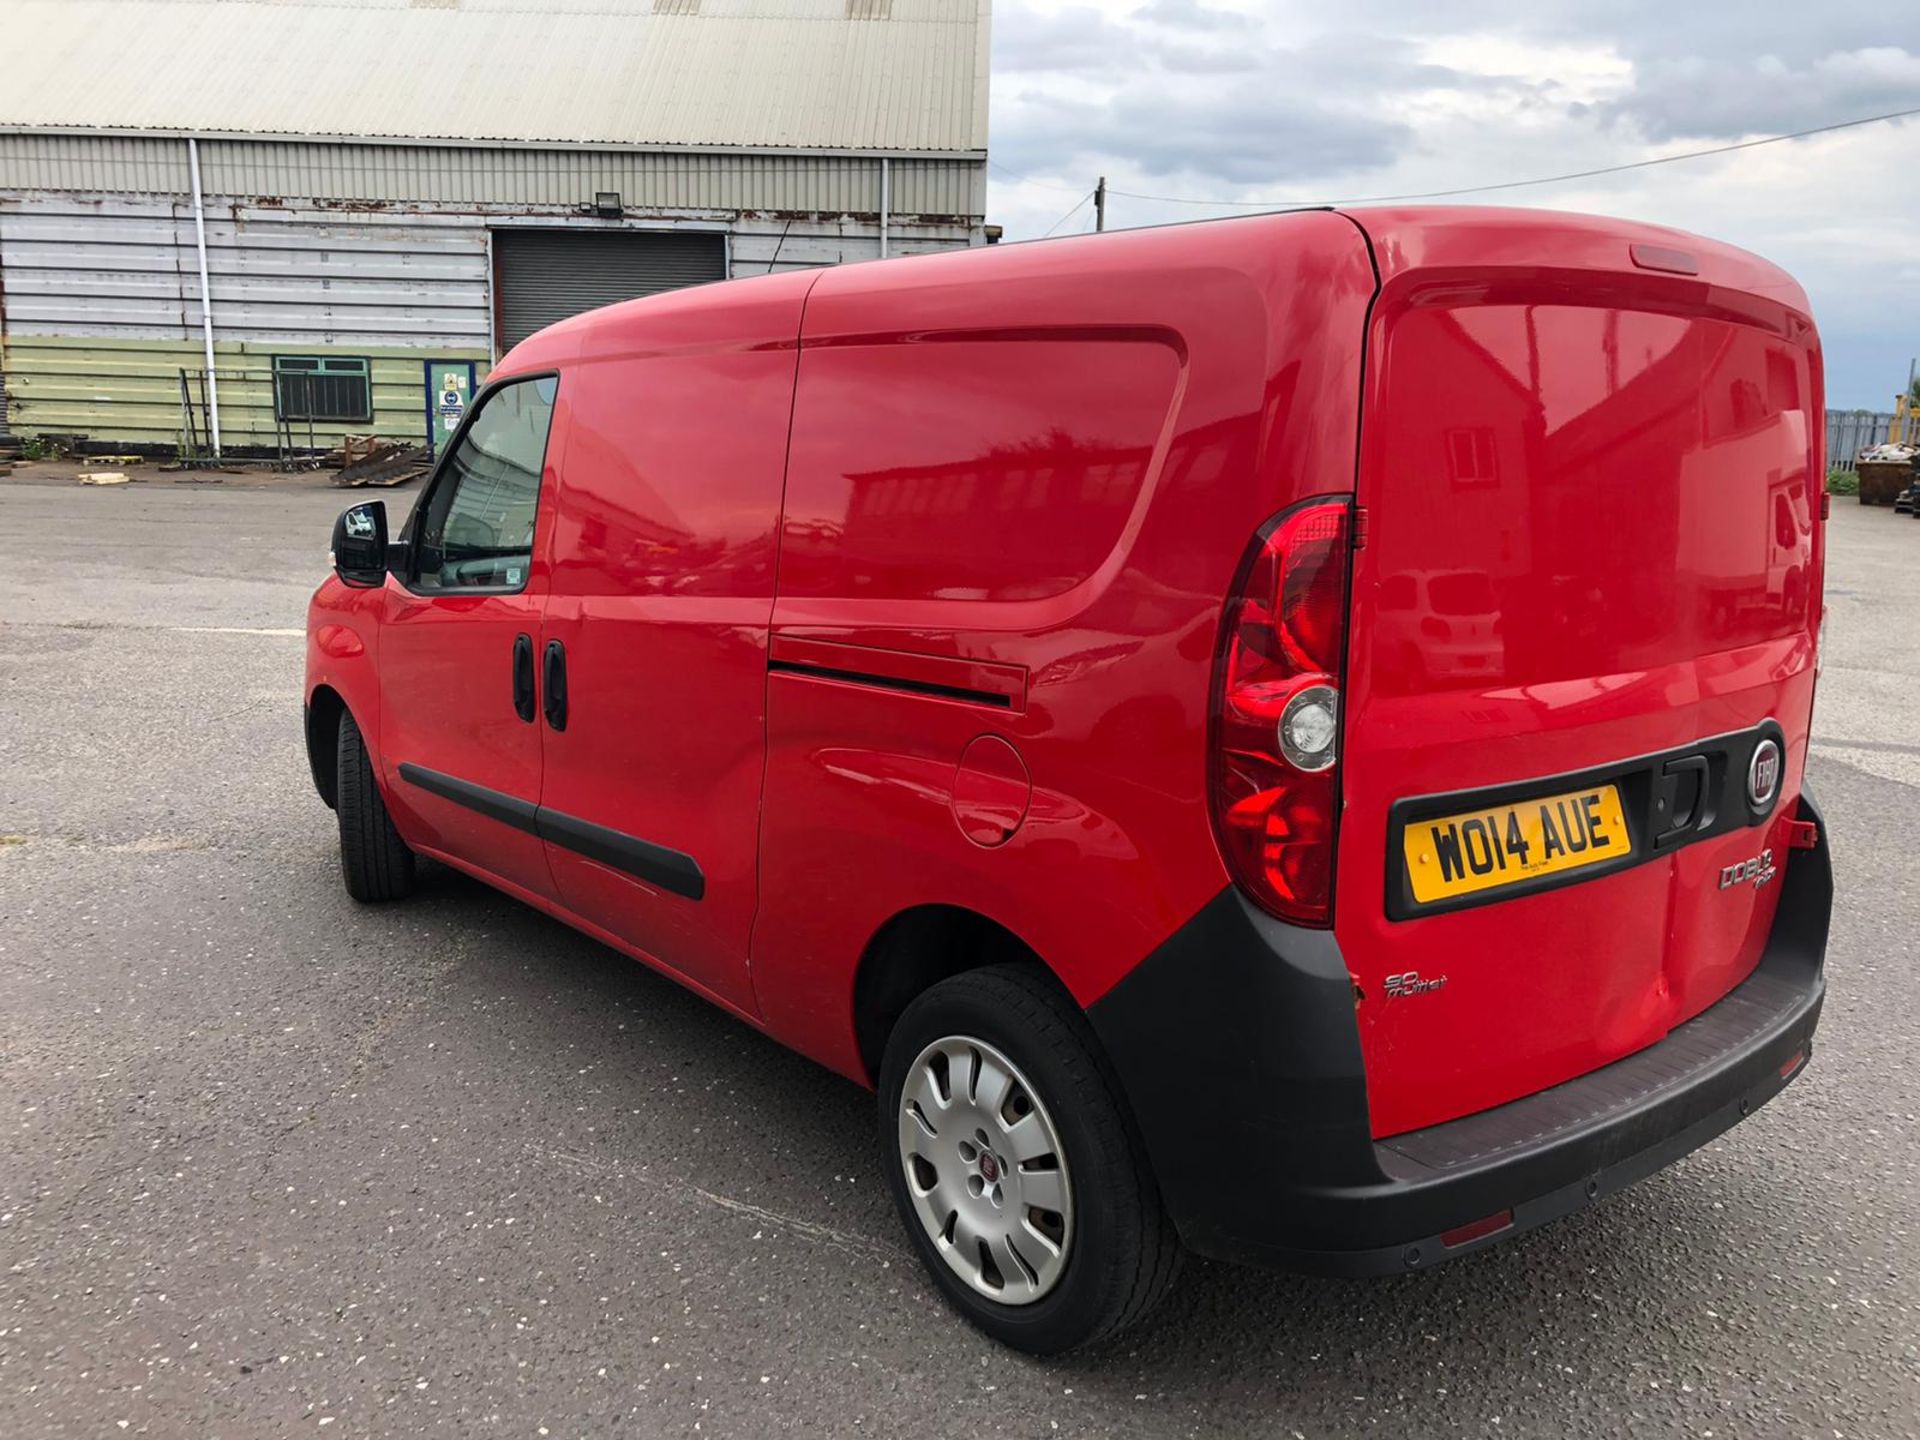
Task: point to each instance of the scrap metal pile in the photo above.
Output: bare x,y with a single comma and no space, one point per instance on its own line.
1887,476
371,460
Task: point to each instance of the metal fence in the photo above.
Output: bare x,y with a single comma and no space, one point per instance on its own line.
257,416
1851,431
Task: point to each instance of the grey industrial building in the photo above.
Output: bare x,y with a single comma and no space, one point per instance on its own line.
384,195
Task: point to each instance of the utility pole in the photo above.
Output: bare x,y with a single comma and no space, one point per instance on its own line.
1100,204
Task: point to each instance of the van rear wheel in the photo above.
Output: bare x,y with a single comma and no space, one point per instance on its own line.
374,861
1015,1167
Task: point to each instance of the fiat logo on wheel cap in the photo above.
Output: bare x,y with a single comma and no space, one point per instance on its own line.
1763,775
989,1167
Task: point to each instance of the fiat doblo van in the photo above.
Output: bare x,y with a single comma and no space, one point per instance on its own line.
1280,738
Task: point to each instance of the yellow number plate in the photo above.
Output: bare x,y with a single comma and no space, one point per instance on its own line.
1506,844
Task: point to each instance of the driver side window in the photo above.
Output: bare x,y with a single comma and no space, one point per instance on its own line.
477,530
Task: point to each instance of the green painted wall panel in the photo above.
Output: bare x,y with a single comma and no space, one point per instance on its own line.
129,390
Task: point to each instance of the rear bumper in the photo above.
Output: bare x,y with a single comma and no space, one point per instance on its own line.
1237,1047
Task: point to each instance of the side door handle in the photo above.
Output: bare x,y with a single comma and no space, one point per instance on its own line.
554,680
523,677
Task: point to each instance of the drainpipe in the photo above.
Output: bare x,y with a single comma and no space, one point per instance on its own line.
206,296
886,187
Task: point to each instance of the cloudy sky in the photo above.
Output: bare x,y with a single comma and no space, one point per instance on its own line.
1283,101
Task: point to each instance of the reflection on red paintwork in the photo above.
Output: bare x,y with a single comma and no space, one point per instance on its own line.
1608,487
1057,471
1591,539
979,470
665,536
338,642
1588,491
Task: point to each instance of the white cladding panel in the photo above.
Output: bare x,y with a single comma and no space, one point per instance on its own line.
860,74
506,176
117,266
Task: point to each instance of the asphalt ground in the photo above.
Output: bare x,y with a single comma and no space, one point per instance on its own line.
275,1164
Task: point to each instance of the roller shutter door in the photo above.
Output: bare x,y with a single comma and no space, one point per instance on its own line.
547,275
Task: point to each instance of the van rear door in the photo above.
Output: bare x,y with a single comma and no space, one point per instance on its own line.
1585,599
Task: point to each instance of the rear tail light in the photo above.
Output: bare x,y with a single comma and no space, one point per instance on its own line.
1274,783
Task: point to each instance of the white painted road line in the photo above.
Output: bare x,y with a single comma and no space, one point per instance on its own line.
231,630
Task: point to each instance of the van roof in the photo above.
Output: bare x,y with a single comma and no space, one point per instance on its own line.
1402,238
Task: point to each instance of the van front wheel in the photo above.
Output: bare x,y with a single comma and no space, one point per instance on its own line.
374,861
1014,1166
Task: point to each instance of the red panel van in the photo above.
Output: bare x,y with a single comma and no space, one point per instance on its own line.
1280,738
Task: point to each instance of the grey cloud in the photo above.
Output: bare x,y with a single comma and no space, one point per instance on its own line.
1078,41
1082,42
1360,65
1232,109
1706,70
1180,59
1645,30
1192,90
1693,98
1178,97
1244,133
1192,15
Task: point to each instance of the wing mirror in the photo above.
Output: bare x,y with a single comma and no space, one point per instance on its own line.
360,555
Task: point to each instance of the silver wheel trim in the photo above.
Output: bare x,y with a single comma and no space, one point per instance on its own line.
985,1170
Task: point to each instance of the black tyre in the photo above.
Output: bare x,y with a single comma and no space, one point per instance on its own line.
1015,1165
374,861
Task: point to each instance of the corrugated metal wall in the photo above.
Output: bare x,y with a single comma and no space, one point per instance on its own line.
762,242
128,390
126,266
898,75
362,249
103,300
93,162
115,265
403,174
103,309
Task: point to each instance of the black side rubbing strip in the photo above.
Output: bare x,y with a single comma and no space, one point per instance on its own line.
507,809
656,864
893,682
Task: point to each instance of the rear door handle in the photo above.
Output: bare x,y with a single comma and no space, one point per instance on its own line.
523,677
1682,791
554,680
